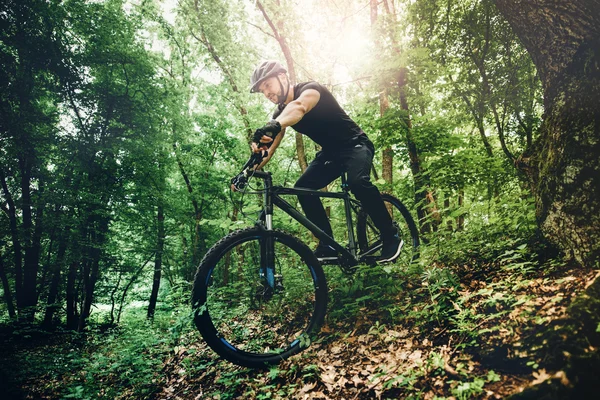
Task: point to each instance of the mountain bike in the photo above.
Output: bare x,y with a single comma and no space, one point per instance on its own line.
260,294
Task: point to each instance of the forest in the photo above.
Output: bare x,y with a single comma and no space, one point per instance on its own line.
122,123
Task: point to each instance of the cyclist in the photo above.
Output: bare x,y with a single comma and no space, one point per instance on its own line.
311,109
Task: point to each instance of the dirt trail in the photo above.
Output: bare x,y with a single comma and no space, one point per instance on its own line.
487,347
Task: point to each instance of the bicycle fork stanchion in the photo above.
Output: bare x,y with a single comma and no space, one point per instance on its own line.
267,244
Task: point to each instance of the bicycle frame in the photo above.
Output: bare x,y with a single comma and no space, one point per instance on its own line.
272,196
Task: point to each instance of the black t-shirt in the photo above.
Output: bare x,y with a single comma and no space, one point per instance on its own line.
326,124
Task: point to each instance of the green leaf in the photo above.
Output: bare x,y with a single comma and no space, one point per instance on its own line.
492,376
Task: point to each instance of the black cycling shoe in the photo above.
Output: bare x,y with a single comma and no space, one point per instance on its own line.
324,251
392,246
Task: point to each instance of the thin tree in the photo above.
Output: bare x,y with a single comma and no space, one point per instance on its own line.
285,48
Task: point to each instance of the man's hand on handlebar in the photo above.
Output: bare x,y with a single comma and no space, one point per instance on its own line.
261,142
262,146
240,181
263,137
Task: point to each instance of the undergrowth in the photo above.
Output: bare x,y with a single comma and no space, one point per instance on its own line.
453,329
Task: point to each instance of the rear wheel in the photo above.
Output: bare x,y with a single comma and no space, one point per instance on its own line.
253,314
369,240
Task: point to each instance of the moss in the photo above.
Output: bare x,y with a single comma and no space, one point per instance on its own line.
567,183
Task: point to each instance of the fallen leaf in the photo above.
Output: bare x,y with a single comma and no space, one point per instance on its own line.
540,376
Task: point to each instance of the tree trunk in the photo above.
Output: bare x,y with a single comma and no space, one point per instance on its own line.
113,301
26,159
7,292
226,272
423,196
484,139
51,304
460,220
285,48
16,242
563,39
129,284
71,296
387,156
32,228
160,244
91,271
197,207
449,226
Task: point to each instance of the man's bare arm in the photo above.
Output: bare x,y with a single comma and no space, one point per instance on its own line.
295,110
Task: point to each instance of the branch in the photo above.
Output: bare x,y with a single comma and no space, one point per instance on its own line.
204,40
352,81
75,108
186,179
264,13
131,281
262,30
285,48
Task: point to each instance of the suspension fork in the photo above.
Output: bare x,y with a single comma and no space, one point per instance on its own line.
267,243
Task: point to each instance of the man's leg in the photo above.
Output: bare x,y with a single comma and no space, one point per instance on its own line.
357,162
318,175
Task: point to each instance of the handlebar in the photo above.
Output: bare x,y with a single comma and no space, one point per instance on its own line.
240,181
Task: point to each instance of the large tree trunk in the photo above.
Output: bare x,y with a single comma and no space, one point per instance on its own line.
563,39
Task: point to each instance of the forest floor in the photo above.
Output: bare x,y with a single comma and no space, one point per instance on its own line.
454,332
488,339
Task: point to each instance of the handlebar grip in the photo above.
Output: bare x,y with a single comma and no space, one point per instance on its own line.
240,180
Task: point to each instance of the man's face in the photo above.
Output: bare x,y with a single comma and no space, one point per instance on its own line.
271,89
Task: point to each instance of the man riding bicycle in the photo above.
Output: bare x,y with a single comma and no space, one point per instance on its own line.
311,109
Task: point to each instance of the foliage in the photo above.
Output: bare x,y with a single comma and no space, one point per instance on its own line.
121,124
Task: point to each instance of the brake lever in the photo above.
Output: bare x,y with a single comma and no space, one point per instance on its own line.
240,181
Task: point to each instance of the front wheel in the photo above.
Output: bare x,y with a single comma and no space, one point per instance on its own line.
255,312
369,240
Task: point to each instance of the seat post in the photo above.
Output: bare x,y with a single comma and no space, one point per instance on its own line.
348,212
